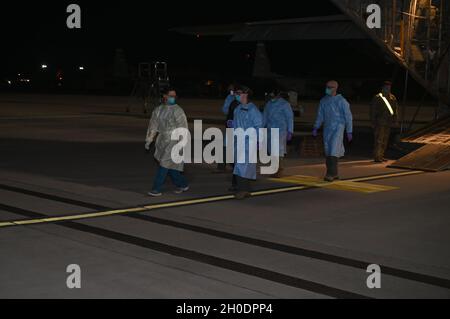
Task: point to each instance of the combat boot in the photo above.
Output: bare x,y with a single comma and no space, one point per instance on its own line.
332,169
335,167
328,175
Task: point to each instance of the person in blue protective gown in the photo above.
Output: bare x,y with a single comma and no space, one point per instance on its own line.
335,115
246,116
228,108
278,114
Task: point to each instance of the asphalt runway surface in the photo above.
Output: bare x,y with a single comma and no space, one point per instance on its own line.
73,191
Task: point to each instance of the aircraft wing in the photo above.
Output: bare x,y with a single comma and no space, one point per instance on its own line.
210,30
312,28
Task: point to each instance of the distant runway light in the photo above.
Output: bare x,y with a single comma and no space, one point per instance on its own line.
81,68
44,66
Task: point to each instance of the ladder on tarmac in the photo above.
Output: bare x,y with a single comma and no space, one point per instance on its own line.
151,81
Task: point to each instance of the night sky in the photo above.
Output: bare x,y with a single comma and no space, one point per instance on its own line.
35,32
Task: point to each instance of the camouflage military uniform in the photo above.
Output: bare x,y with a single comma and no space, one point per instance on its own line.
382,121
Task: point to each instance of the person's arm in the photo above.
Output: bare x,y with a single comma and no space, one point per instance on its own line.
289,115
348,117
152,129
395,108
181,119
319,119
181,123
226,104
258,121
265,114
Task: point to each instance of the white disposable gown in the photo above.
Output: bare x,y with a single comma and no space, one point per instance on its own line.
165,119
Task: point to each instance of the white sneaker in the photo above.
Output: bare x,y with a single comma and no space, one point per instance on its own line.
181,190
154,194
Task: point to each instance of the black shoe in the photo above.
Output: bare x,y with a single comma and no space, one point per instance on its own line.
330,178
242,195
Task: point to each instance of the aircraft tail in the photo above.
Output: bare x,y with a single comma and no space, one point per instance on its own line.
261,66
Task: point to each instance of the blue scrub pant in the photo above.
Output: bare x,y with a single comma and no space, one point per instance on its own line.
176,176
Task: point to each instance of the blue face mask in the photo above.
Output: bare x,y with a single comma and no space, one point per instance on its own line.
171,100
328,91
238,98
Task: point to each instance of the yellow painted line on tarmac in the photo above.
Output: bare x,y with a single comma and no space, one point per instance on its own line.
189,202
278,190
360,187
354,184
338,185
114,212
6,224
54,219
399,174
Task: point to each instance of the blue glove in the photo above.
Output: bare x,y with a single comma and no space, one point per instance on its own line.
349,137
230,123
314,132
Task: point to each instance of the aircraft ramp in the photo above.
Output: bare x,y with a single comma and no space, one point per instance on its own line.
435,154
415,34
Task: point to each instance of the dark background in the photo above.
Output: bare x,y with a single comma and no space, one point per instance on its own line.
35,32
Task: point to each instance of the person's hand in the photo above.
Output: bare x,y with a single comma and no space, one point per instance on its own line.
289,136
349,137
230,123
147,146
314,132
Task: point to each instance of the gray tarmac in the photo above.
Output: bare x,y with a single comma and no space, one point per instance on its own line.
66,156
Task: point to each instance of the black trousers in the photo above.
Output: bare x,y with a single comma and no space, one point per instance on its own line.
332,166
223,165
241,184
